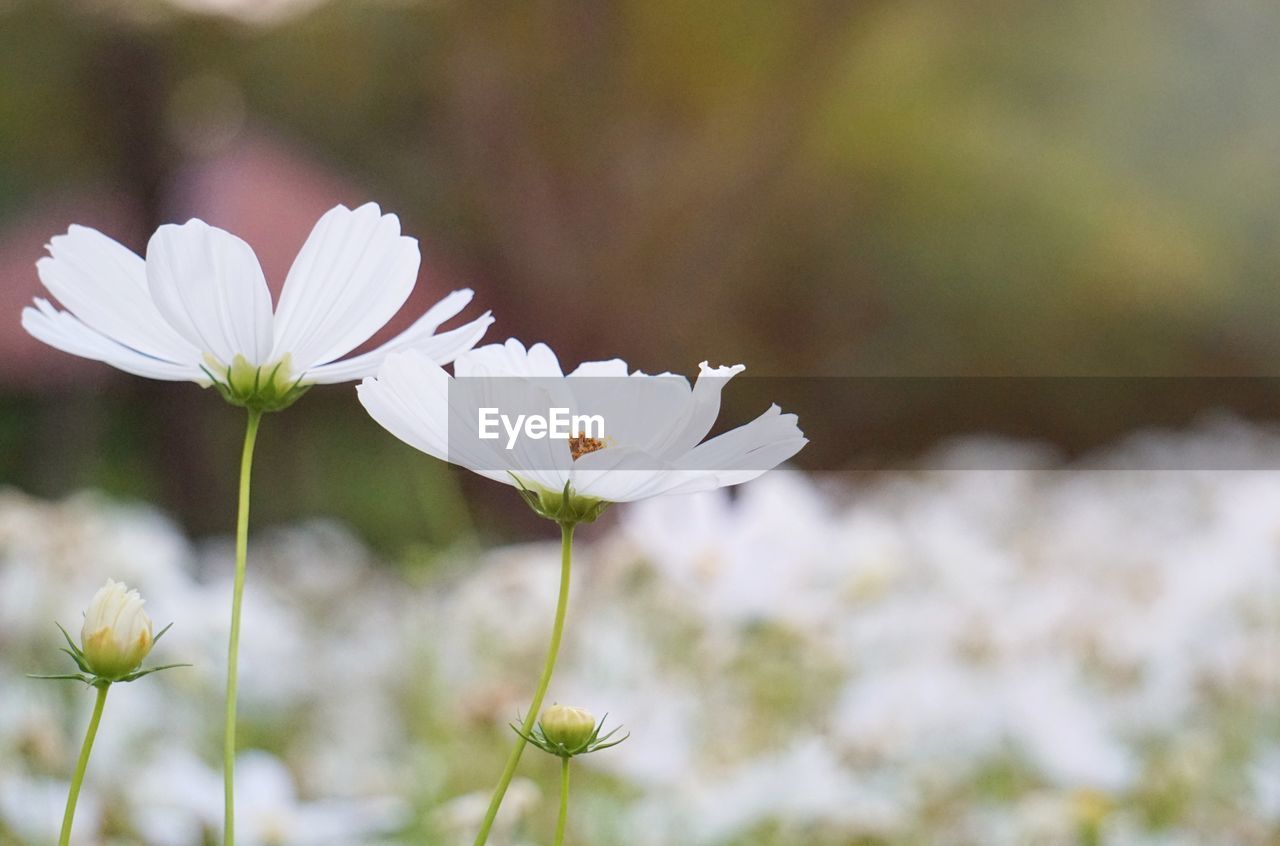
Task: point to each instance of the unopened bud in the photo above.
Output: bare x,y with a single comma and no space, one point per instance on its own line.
117,633
572,728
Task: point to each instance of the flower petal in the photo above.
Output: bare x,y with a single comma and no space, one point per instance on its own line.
441,349
104,284
62,330
748,451
702,413
619,474
509,359
208,285
351,276
614,367
410,399
737,456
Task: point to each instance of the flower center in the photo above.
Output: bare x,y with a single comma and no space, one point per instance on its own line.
580,445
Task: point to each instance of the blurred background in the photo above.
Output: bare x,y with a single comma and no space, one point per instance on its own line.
812,188
817,188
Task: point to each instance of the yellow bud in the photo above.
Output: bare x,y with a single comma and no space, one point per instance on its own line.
117,633
572,728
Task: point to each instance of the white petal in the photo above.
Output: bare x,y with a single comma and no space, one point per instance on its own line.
509,359
351,276
208,285
639,412
748,451
64,331
618,474
614,367
410,399
703,411
441,349
543,460
392,399
105,285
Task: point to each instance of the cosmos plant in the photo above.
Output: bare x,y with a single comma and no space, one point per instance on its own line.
655,446
197,308
116,637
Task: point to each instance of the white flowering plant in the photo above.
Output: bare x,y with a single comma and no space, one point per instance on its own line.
198,308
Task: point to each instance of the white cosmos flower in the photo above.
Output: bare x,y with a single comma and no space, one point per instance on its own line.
199,303
654,425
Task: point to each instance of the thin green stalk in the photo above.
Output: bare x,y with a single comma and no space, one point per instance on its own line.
557,630
564,801
233,650
78,779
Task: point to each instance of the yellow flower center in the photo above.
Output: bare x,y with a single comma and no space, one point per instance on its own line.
580,445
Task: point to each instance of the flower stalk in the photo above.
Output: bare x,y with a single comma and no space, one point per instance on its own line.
557,631
563,821
73,795
233,648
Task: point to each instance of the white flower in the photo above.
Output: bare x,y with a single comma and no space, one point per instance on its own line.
117,633
655,425
198,307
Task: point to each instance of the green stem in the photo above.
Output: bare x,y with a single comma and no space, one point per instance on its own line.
557,630
82,765
564,801
233,650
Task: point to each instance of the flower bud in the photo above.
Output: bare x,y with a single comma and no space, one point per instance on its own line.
571,728
117,633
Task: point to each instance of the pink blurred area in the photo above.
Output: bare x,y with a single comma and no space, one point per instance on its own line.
24,361
262,188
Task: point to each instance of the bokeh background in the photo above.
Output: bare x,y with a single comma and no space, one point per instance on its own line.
812,188
819,188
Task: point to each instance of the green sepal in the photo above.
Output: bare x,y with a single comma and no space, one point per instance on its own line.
146,671
88,676
242,384
80,677
565,507
74,651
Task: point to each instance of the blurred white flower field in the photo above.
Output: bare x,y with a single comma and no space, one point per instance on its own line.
1040,656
